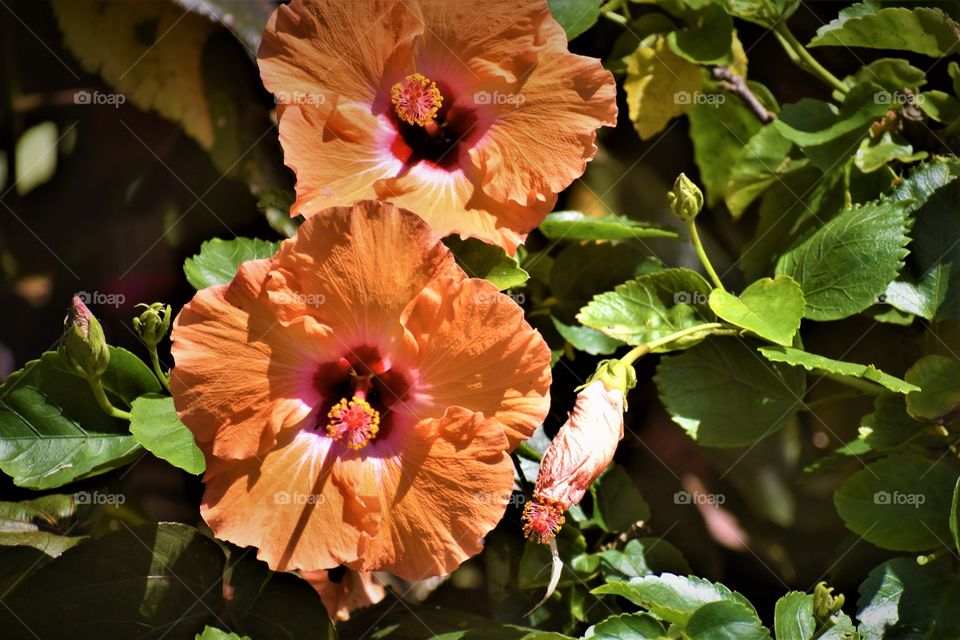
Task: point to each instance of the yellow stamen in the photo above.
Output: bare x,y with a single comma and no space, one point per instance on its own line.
355,420
416,100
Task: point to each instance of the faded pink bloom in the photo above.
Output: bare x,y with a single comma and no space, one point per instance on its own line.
582,449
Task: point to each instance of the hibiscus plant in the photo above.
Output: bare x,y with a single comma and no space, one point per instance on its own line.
520,319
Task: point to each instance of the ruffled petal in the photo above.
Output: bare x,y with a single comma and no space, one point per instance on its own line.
364,264
446,489
336,49
475,350
354,590
240,377
304,505
451,202
539,138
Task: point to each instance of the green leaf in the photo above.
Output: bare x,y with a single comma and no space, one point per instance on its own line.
763,12
938,395
627,626
770,308
892,74
586,339
939,106
813,362
925,30
482,260
52,431
159,580
876,153
850,260
719,129
157,427
889,425
762,162
574,225
209,633
660,85
617,501
36,156
725,620
828,134
651,307
42,523
218,260
724,394
641,557
246,20
793,617
671,597
906,488
929,286
575,16
706,39
904,599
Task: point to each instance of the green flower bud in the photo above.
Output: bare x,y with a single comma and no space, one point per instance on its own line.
153,324
686,199
615,375
825,604
83,348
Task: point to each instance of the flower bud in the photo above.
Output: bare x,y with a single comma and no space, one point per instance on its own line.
153,324
580,452
686,199
83,348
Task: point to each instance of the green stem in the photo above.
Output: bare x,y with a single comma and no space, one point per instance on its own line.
104,402
856,383
615,17
157,371
637,352
799,54
525,450
702,254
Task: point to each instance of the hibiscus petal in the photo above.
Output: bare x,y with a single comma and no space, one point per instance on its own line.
238,379
304,505
322,50
447,488
476,351
365,263
539,138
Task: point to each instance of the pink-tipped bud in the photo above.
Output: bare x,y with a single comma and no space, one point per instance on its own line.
580,452
83,347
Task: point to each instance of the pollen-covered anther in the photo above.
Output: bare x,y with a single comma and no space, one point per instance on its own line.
542,518
416,100
353,420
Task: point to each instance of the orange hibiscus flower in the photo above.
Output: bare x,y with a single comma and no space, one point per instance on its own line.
355,394
474,116
343,591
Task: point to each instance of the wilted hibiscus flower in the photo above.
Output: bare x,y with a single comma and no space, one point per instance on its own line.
355,394
473,115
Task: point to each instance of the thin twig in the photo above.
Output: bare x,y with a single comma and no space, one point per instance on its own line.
737,86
